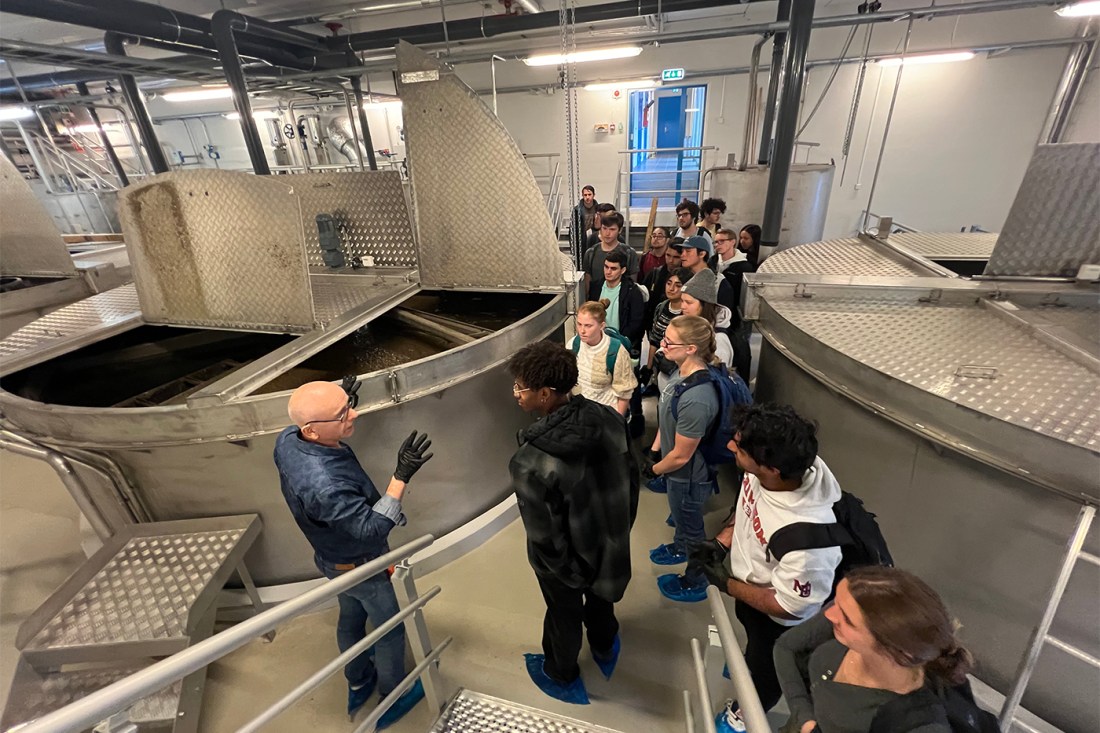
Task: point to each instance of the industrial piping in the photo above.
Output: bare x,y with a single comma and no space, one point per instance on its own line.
112,42
794,74
223,24
775,79
104,139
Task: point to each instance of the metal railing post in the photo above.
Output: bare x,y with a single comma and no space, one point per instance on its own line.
416,629
1039,636
701,682
756,721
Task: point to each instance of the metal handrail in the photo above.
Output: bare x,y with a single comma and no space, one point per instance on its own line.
666,150
376,714
91,709
701,682
67,159
745,691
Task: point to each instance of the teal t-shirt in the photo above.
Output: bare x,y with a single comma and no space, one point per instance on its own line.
612,294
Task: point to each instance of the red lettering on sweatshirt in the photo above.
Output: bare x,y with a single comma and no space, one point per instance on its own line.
748,506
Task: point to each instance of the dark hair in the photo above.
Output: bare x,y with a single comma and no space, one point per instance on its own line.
604,208
908,620
618,257
754,232
683,273
777,437
710,205
544,364
689,206
615,218
588,188
663,229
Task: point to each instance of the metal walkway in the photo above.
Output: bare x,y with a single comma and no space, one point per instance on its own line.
473,712
150,591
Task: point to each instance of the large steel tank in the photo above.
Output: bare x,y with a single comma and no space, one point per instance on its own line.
966,414
805,208
166,395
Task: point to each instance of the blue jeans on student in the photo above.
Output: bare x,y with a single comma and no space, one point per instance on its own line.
686,499
372,600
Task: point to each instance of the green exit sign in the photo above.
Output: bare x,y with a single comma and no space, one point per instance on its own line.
672,75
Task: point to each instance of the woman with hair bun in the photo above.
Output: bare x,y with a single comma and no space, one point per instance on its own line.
876,659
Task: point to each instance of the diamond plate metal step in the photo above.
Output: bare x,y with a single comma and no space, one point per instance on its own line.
473,712
142,595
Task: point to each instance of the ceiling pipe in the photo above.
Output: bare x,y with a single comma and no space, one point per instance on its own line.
357,89
775,80
225,24
487,27
276,44
113,43
786,128
531,6
1078,63
750,105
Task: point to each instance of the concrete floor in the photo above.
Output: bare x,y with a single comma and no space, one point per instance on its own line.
490,604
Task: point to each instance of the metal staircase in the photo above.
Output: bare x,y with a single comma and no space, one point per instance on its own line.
149,592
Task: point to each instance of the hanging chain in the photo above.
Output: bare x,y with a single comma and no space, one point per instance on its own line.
567,76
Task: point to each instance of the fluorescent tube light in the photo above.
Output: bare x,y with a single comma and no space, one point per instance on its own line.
579,57
198,95
928,58
260,115
1080,10
15,113
89,128
611,86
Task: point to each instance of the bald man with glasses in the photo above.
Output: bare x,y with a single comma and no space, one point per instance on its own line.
348,523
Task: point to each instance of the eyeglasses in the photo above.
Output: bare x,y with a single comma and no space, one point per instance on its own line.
665,343
517,390
660,236
719,241
353,400
682,214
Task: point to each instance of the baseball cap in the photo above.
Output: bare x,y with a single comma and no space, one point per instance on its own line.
698,242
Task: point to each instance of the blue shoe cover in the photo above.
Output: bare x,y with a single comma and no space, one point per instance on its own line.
672,587
607,663
729,720
657,485
358,698
666,555
573,692
404,704
671,522
726,671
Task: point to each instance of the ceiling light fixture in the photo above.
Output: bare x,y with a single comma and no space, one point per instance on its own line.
198,95
1080,10
928,58
89,128
258,115
579,57
610,86
15,113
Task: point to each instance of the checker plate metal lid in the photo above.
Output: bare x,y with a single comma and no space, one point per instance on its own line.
481,218
31,244
218,249
1053,226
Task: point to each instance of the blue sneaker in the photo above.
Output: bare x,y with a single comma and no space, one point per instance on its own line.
573,692
357,697
675,588
404,704
657,485
666,555
729,719
607,662
671,522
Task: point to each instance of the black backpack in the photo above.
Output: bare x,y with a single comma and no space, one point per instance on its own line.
928,707
855,531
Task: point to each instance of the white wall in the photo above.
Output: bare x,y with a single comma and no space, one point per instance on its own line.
960,140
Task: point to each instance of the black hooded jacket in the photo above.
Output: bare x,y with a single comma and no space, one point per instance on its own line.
577,490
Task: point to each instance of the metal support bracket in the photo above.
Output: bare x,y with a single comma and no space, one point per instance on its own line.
416,629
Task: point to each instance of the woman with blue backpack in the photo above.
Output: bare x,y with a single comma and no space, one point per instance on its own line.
605,369
689,342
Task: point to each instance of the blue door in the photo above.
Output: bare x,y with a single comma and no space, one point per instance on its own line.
670,122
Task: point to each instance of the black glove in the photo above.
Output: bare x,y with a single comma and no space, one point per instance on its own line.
647,467
411,456
717,575
351,385
645,375
709,558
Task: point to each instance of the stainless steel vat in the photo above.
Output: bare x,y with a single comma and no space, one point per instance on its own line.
804,211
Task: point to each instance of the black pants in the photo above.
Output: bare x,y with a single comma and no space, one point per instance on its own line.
762,633
566,610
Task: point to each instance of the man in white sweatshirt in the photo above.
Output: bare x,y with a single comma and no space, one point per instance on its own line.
785,482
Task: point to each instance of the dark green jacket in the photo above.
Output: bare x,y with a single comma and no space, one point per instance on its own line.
577,490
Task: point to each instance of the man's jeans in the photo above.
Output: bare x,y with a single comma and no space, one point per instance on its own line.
375,600
686,500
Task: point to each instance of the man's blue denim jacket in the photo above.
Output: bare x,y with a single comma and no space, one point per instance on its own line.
333,500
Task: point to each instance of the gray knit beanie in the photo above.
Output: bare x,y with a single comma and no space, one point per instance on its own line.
703,286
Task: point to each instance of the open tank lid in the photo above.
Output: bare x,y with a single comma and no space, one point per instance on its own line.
32,245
